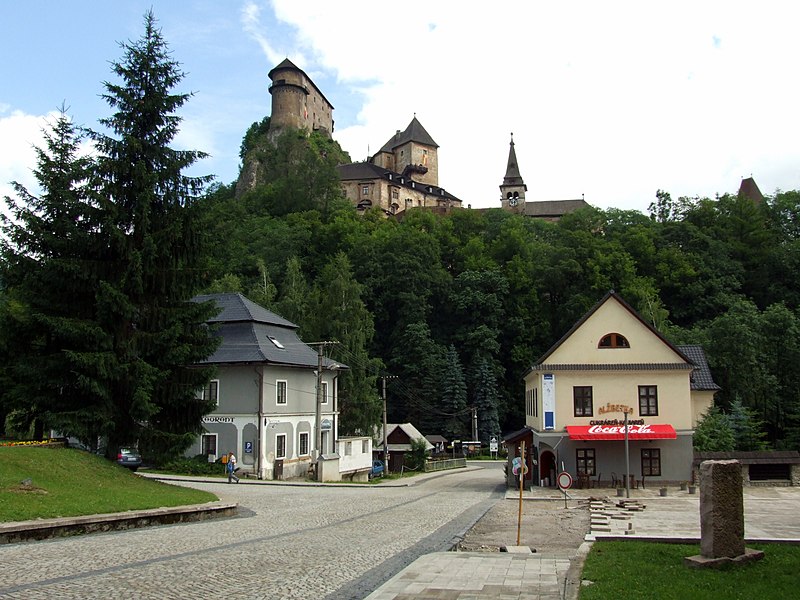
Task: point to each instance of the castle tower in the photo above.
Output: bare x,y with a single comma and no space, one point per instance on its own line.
412,153
297,102
513,188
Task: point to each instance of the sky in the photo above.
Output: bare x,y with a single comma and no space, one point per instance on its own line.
609,101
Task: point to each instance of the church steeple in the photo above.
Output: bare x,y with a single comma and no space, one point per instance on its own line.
513,188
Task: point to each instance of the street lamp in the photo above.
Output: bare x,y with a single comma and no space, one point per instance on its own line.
627,476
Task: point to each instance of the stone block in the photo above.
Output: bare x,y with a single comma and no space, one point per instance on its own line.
721,509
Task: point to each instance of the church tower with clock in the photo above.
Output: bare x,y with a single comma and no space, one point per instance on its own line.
513,188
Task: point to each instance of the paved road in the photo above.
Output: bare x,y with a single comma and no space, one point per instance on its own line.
289,542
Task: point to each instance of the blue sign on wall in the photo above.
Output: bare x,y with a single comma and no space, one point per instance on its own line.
248,447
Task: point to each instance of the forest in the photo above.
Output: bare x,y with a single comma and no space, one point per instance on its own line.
453,309
443,312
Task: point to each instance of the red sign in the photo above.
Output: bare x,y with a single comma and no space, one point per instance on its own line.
617,432
564,480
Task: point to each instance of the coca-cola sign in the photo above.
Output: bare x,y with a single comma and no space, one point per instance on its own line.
632,429
617,432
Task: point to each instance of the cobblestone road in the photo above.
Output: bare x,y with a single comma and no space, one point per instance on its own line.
288,542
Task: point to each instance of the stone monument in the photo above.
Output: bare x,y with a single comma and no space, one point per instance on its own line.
721,516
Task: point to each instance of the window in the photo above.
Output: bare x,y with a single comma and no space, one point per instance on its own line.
276,342
613,340
535,402
395,194
208,444
324,392
211,391
280,445
365,190
303,444
280,392
584,458
364,447
348,448
651,462
648,401
424,157
582,395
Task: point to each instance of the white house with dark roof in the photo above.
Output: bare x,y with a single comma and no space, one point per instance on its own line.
612,362
266,392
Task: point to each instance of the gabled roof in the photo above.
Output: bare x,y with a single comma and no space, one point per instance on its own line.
415,132
412,432
611,296
252,334
701,376
553,208
361,170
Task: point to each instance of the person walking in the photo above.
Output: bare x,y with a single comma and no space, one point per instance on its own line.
231,467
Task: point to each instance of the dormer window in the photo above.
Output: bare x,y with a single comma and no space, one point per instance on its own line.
614,340
276,342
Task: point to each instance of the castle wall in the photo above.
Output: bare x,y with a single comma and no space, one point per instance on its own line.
391,197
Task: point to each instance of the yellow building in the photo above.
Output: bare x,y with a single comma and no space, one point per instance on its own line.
577,395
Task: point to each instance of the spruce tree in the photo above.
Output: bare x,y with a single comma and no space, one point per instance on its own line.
342,316
155,256
453,397
50,271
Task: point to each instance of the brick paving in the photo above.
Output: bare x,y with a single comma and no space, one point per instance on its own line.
289,542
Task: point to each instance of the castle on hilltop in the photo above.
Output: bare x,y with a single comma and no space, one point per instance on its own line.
404,173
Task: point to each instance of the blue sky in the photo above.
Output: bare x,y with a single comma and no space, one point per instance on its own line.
611,100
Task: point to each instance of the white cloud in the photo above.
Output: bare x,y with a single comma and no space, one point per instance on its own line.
20,133
612,100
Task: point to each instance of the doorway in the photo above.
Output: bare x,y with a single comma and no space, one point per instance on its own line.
547,468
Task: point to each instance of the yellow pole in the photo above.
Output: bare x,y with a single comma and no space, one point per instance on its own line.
521,478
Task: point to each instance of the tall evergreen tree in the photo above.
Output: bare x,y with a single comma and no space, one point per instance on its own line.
486,400
154,256
343,317
50,269
453,396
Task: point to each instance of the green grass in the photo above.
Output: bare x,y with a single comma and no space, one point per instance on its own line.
66,482
646,570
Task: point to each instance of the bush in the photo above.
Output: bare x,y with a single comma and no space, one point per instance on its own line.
197,465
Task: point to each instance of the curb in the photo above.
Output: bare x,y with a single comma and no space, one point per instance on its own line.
41,529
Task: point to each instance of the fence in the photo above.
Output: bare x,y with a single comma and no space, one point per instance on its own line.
444,465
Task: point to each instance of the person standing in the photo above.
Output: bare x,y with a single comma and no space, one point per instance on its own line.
231,467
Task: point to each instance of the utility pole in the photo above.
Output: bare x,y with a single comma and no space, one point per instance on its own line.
318,414
474,424
385,434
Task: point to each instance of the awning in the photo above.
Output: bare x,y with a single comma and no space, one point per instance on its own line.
617,432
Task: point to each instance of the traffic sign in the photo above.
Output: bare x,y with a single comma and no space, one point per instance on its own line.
564,480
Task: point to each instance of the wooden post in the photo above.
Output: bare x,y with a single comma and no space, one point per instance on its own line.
521,480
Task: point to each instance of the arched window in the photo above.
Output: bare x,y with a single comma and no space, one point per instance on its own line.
613,340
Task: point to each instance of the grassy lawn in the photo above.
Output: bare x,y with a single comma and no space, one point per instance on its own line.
644,570
65,482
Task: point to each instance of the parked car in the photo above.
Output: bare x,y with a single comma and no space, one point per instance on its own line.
129,458
377,469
